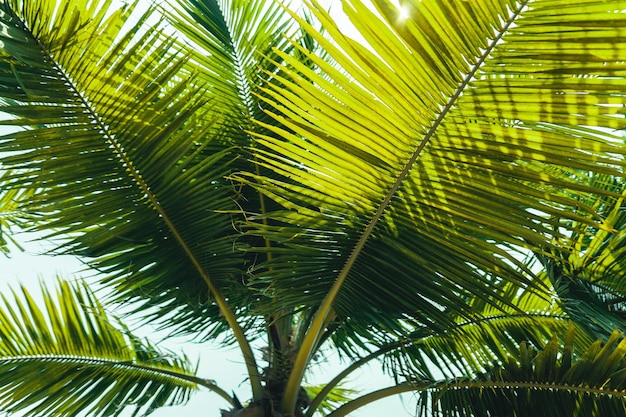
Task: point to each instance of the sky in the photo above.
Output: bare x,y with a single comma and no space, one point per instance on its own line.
224,365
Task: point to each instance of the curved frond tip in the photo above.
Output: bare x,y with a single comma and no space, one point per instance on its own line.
555,380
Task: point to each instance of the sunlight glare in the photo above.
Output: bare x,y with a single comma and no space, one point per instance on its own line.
403,11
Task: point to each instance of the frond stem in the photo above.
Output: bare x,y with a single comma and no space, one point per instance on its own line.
364,400
111,363
203,382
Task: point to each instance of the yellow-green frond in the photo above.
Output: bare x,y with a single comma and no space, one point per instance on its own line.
429,159
63,353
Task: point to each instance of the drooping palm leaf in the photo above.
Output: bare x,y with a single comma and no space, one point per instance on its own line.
66,354
547,382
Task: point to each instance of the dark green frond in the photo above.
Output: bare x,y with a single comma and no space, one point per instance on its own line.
587,271
66,355
469,347
553,381
547,382
121,157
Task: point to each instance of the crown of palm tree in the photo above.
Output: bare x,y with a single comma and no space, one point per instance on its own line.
234,170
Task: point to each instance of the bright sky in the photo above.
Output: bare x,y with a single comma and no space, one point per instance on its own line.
223,365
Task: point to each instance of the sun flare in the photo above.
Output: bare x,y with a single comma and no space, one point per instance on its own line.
403,13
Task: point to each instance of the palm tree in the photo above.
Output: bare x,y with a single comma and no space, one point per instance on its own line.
238,172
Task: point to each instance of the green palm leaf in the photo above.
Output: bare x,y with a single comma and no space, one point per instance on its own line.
436,149
545,383
233,52
235,43
71,356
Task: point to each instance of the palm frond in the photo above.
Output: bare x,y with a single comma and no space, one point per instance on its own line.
466,349
434,148
234,44
65,354
548,382
144,198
